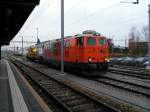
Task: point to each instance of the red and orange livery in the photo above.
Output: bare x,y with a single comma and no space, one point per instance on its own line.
85,51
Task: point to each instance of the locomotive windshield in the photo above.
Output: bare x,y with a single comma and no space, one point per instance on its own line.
91,41
102,41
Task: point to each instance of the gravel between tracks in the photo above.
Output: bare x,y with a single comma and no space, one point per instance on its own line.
126,100
122,99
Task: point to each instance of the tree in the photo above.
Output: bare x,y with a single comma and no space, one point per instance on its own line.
145,33
136,46
134,34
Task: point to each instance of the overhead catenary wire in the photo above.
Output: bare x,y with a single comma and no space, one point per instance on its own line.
82,22
92,15
31,17
87,19
42,11
116,23
36,15
122,22
66,12
71,8
133,20
83,18
30,42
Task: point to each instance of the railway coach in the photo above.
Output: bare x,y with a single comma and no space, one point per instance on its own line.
88,51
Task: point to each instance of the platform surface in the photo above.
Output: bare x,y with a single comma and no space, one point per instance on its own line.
5,95
15,96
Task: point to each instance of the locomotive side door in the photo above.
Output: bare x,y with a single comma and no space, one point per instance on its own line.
79,44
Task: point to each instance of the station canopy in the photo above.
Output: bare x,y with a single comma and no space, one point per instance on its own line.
13,14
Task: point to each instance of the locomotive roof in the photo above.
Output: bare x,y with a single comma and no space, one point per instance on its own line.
75,36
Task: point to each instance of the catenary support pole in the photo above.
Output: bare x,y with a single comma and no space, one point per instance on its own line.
62,36
0,52
22,45
149,36
37,33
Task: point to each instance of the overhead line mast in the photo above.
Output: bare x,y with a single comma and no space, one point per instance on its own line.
62,37
149,36
137,2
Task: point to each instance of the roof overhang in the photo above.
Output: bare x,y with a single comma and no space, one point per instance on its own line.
13,15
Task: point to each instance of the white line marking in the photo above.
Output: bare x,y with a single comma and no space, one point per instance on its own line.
17,98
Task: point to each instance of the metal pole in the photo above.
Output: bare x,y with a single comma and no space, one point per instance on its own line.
22,45
62,36
0,52
37,31
149,36
14,49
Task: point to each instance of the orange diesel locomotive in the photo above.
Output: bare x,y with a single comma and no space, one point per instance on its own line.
83,51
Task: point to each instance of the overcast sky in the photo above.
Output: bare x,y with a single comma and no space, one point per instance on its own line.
109,17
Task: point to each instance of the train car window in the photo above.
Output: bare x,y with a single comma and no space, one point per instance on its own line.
46,46
57,45
91,41
102,41
49,45
67,44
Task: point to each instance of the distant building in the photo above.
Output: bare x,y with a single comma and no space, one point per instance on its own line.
116,51
137,48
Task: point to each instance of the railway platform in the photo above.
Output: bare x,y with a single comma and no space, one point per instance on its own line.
16,94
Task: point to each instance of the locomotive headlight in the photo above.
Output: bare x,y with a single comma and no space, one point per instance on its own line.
34,50
90,59
107,60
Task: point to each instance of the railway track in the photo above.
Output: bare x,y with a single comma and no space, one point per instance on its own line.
140,83
141,75
142,71
70,99
130,67
123,84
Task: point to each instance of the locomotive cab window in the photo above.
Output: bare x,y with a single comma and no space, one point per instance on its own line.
67,44
91,41
102,41
79,41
